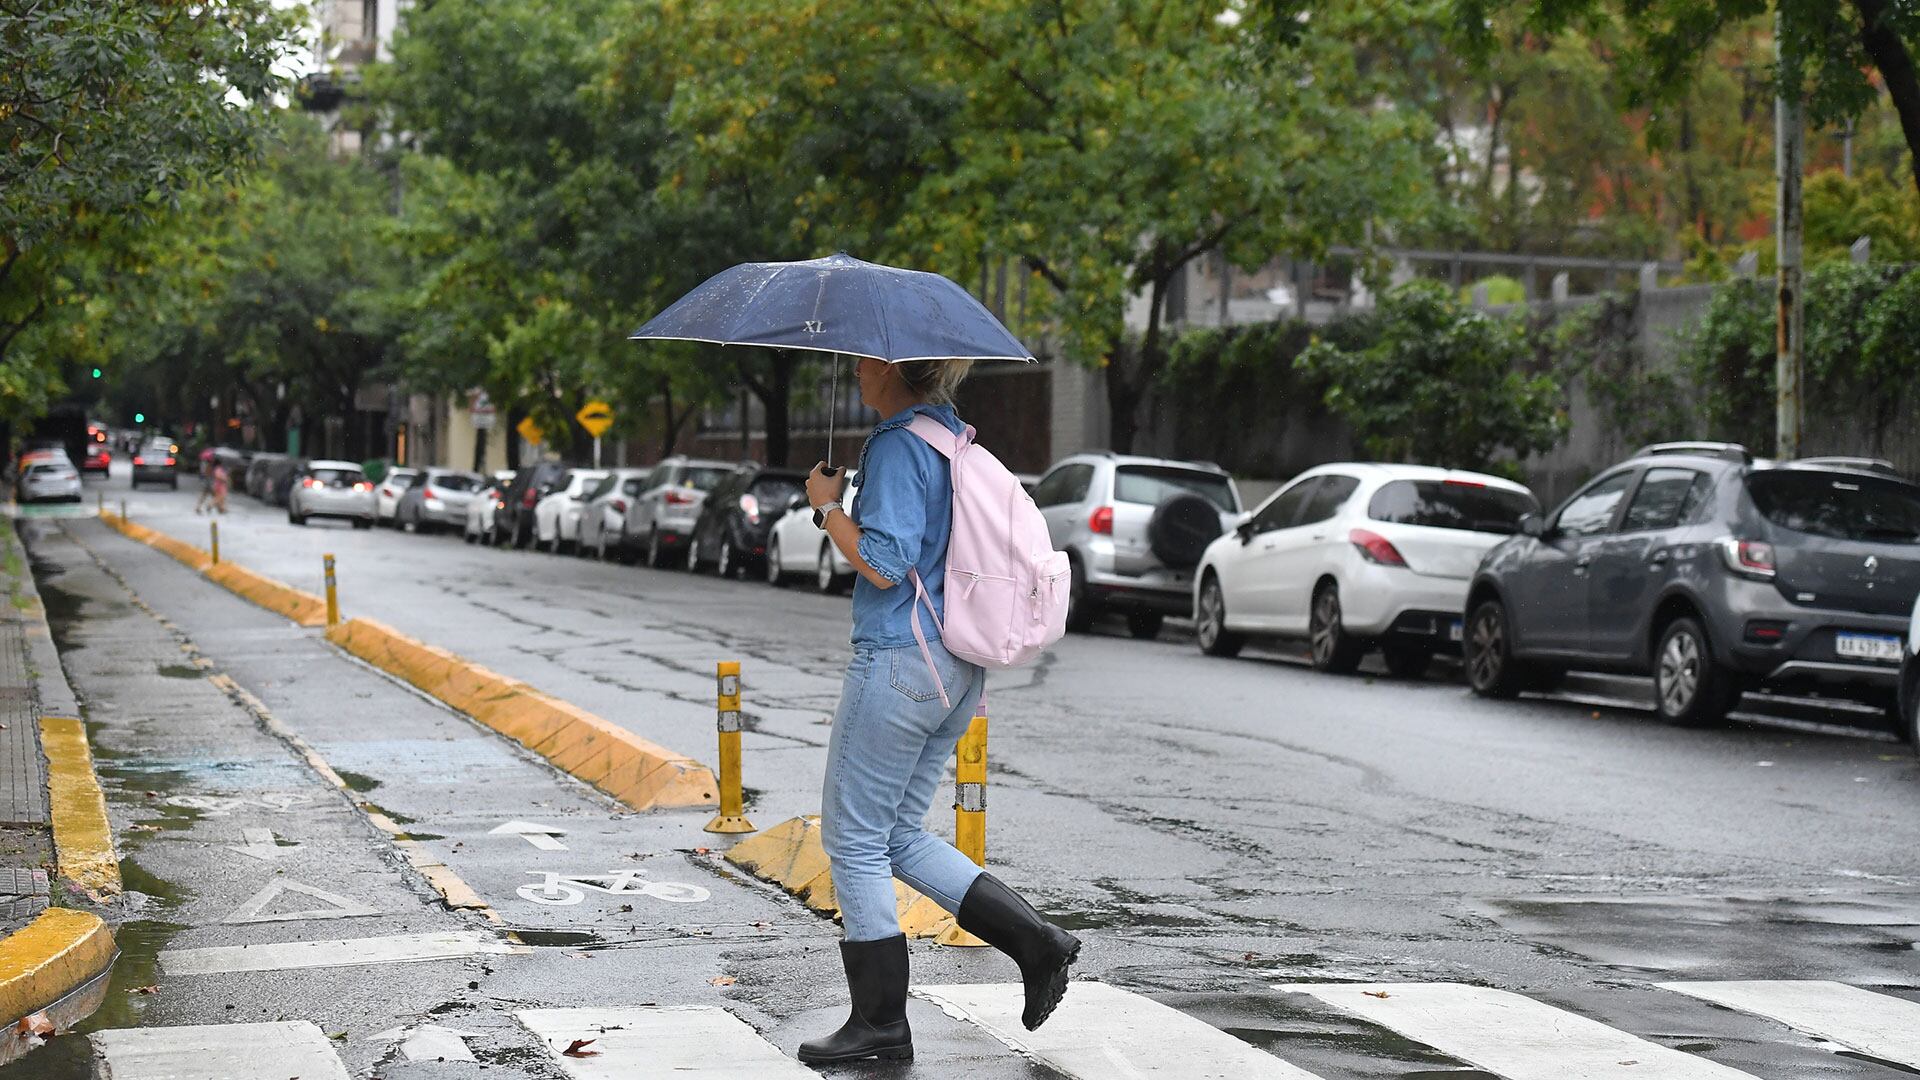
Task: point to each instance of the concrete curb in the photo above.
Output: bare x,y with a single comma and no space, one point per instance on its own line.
641,774
790,855
82,835
49,958
302,607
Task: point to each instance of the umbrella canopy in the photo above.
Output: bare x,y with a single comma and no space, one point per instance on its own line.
838,304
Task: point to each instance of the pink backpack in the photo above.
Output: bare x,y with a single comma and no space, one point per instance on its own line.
1006,586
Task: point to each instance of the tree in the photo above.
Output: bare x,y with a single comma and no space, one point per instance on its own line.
1441,383
1832,48
112,110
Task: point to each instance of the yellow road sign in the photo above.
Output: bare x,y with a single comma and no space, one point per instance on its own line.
529,431
596,417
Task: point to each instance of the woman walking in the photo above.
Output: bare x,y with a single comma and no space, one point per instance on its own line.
892,733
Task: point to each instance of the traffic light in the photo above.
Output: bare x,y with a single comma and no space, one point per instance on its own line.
139,418
96,373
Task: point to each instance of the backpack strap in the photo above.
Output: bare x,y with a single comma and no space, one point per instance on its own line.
921,598
937,435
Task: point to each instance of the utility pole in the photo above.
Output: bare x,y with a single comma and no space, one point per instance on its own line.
1789,156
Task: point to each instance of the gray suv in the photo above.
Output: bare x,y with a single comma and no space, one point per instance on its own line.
1711,570
660,519
1133,529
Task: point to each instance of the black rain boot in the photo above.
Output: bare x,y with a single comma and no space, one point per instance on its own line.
1003,919
877,1027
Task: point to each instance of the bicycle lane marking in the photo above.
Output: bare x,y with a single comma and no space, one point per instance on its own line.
558,890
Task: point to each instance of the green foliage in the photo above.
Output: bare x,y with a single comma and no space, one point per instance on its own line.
1442,383
1597,345
1501,289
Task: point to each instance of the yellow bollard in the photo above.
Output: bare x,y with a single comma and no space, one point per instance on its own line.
100,503
123,509
732,816
333,595
213,527
969,811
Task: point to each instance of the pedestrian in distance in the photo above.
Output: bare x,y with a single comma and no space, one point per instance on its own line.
222,480
206,482
904,703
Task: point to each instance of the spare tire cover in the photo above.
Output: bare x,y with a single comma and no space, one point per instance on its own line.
1181,528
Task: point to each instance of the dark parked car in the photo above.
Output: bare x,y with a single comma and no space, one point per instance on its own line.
731,531
280,478
157,462
1909,726
254,481
513,520
1712,571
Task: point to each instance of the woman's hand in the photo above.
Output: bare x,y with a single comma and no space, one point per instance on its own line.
823,486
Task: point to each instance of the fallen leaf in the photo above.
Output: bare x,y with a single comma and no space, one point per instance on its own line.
1249,957
36,1025
143,828
703,851
144,990
721,980
581,955
578,1048
1375,993
626,907
337,1036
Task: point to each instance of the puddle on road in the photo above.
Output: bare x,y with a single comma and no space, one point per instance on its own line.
359,782
181,671
571,938
63,612
69,1055
1317,1037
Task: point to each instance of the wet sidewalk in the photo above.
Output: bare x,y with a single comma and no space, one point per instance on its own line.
31,685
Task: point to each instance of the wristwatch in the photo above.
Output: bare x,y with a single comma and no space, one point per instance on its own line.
826,508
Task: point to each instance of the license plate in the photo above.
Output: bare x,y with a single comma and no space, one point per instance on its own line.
1868,647
1455,629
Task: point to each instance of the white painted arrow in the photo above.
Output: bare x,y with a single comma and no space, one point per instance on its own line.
540,836
431,1042
260,844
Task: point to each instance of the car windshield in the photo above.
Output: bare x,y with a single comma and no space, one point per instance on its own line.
775,491
1154,484
455,482
337,476
702,478
1451,504
1841,506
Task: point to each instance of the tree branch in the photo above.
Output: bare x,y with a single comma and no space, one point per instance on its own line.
1890,55
1039,266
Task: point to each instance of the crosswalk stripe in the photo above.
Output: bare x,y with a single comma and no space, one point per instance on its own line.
219,1052
685,1042
1106,1032
287,955
1877,1025
1511,1035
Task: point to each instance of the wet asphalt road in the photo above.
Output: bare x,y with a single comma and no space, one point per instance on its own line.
1213,827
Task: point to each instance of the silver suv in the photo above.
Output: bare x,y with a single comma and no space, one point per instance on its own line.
1133,529
660,519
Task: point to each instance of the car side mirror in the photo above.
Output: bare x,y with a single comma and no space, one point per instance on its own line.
1244,528
1533,525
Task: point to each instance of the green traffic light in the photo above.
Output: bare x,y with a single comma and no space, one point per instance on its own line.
139,418
96,373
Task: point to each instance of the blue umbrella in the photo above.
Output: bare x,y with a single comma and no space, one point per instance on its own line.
838,304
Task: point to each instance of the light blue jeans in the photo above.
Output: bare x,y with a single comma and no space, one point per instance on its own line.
890,745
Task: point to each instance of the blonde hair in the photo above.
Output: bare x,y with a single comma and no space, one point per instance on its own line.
934,380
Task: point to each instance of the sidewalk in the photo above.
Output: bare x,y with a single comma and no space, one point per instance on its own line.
53,952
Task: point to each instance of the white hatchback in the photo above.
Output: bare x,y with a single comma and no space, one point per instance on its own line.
556,517
1356,556
797,546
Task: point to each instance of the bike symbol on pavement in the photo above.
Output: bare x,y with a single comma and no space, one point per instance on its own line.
557,890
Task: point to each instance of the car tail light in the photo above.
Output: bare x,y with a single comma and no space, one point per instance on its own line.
528,498
1750,558
1766,631
1463,483
1102,521
1376,548
750,506
679,498
363,487
619,506
169,461
138,460
429,493
310,482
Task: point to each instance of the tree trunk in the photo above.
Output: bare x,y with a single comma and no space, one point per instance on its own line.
1890,55
1129,376
513,418
776,399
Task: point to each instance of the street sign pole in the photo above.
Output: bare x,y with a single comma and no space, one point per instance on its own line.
596,451
1789,299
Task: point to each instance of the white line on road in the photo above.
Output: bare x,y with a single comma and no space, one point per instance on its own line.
1877,1025
694,1043
219,1052
540,836
430,1042
1513,1036
254,910
282,956
260,844
1103,1032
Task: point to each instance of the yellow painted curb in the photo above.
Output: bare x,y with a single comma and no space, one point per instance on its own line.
49,958
790,855
82,836
642,774
302,607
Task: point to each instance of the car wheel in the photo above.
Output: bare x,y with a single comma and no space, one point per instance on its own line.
1689,689
522,534
1334,650
654,554
1081,610
469,536
600,549
175,485
1210,628
1145,625
693,554
776,576
825,579
1492,670
1406,661
728,565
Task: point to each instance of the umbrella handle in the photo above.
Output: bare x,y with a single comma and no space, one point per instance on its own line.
820,519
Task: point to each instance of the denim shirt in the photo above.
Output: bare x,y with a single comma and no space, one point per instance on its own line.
905,513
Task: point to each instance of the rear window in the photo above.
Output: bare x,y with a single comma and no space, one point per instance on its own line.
775,490
1155,484
703,479
456,482
1837,506
46,470
1440,504
338,476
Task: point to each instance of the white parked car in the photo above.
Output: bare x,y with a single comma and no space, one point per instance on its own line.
797,546
479,522
386,494
556,517
45,477
331,489
606,513
1356,556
